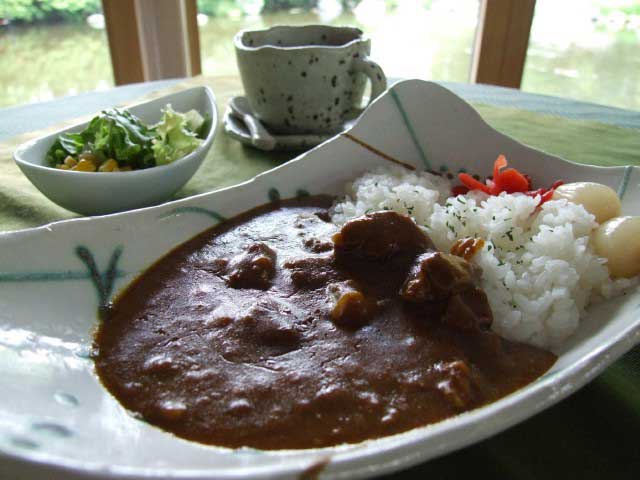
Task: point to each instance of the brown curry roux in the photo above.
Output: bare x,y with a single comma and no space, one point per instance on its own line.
275,330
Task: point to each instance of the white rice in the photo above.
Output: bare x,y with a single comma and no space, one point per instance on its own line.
539,269
394,189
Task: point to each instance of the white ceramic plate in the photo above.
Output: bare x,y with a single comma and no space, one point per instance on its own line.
58,422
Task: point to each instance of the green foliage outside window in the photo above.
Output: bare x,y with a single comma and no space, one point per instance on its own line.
28,11
218,8
221,8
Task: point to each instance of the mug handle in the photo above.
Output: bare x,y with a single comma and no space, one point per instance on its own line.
372,70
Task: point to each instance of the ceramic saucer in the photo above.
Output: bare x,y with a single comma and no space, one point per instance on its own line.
236,128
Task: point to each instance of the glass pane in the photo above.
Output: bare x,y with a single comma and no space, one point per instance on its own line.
430,39
586,49
51,49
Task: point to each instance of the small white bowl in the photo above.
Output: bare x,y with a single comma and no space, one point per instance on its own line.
94,193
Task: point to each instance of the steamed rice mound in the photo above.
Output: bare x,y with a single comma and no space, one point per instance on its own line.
539,270
396,189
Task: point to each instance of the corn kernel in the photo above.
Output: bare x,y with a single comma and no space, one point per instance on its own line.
108,166
126,168
70,161
85,166
87,156
62,166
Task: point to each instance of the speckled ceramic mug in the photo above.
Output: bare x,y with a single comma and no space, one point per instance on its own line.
307,79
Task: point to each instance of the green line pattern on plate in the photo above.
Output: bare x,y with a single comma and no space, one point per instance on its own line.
274,195
102,281
624,183
198,210
412,132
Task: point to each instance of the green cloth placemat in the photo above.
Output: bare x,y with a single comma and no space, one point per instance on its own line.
580,141
593,434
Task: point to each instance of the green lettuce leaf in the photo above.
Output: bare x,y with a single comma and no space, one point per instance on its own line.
65,145
120,135
114,134
175,139
194,120
72,143
204,128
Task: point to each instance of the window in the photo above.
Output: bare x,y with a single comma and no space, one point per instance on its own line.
51,49
592,57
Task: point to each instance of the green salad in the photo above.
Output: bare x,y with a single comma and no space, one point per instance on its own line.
116,141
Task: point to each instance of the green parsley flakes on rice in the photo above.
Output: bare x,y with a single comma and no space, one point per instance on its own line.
539,270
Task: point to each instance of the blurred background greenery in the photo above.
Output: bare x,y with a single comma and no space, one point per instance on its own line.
27,11
50,48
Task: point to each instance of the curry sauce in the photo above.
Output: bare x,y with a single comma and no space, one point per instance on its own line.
278,330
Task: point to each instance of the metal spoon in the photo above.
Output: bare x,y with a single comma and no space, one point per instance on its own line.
260,137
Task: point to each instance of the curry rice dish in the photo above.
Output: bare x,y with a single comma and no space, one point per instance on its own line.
277,329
